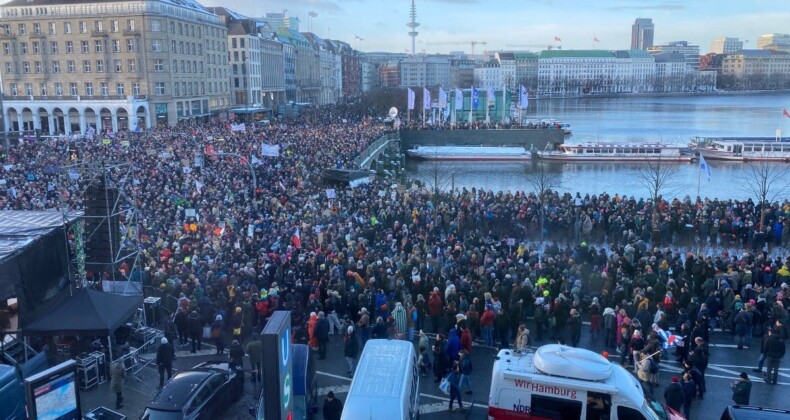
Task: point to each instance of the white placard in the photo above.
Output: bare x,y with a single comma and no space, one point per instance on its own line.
331,193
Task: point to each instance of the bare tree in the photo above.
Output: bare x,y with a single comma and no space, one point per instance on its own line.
542,182
655,176
765,181
436,178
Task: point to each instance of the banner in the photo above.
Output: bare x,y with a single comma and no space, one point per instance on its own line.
442,98
490,98
426,99
459,99
410,98
272,150
238,127
523,98
475,98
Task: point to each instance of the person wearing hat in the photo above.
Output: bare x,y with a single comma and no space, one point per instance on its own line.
333,407
350,349
364,325
673,395
774,352
164,360
741,389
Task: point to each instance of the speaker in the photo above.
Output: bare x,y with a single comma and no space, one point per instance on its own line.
102,232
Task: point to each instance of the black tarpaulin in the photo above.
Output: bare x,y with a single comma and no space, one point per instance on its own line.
88,312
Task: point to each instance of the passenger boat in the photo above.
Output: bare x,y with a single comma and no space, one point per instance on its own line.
743,149
618,152
469,153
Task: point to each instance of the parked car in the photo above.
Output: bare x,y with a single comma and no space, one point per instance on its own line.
749,412
203,392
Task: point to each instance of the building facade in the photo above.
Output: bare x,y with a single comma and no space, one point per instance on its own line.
642,32
776,42
307,66
689,52
726,45
76,67
326,62
425,70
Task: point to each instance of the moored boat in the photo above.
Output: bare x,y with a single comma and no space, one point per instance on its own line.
743,149
617,152
469,153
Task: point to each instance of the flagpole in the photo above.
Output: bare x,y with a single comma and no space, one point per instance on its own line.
471,103
699,175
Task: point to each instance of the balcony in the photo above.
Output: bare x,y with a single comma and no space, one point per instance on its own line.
100,33
4,35
131,32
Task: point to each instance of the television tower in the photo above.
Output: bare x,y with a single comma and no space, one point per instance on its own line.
413,25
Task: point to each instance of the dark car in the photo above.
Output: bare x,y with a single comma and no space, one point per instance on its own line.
749,412
203,392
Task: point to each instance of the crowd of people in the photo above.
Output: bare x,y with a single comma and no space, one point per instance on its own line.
383,260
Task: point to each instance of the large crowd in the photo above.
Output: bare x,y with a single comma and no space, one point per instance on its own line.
388,260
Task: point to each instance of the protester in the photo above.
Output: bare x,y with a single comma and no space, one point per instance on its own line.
741,389
775,351
117,373
673,395
350,349
164,360
333,407
454,378
255,353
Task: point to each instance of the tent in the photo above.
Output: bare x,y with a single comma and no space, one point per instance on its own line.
87,312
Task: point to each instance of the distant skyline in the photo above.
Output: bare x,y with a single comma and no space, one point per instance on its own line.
382,24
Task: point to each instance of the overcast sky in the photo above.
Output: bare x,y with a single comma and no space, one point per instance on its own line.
382,24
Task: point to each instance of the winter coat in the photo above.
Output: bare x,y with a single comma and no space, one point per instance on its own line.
236,354
351,346
775,348
453,345
255,350
116,377
522,340
741,392
673,396
466,340
165,355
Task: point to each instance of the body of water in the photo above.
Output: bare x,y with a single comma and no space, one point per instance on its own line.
665,119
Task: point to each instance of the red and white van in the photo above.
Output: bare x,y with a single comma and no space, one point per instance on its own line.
560,382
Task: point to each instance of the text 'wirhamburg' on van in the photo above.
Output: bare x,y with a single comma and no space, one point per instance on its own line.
560,382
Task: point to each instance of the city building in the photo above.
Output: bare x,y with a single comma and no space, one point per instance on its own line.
389,75
281,20
425,70
594,72
776,42
326,60
462,72
306,67
726,45
489,75
257,77
711,62
690,52
750,63
642,32
370,76
351,72
119,65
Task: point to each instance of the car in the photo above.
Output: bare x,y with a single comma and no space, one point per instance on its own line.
750,412
203,392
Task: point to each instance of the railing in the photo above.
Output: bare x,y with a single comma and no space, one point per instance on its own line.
363,160
99,33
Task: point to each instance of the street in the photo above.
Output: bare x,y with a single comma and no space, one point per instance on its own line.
726,363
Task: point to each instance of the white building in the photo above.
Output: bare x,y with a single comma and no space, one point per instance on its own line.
425,70
489,75
690,52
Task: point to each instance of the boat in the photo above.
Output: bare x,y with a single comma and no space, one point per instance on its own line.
617,152
743,149
470,153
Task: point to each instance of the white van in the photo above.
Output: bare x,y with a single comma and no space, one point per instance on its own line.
561,382
386,383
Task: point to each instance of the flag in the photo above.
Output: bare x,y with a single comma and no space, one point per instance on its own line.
410,98
595,39
198,185
556,38
442,98
312,14
297,239
703,166
475,98
426,99
490,98
667,338
459,99
785,113
523,97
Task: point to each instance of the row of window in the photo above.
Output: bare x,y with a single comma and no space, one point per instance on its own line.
158,65
52,27
160,89
88,89
99,46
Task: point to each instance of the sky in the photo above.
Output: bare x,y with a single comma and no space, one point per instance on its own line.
381,24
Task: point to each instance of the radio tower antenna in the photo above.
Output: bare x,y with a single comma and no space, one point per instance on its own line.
413,25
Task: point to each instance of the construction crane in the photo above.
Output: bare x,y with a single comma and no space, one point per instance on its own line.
472,43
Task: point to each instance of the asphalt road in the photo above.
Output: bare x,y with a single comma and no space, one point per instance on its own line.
725,364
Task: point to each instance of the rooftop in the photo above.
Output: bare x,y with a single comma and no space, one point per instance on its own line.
575,54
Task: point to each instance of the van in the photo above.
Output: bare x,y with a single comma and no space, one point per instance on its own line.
561,382
386,384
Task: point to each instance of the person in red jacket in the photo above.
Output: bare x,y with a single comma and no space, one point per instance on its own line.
487,325
466,340
435,309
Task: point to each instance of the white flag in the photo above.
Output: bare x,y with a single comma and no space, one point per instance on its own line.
198,185
459,99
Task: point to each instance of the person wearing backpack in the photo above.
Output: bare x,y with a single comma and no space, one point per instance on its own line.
465,364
